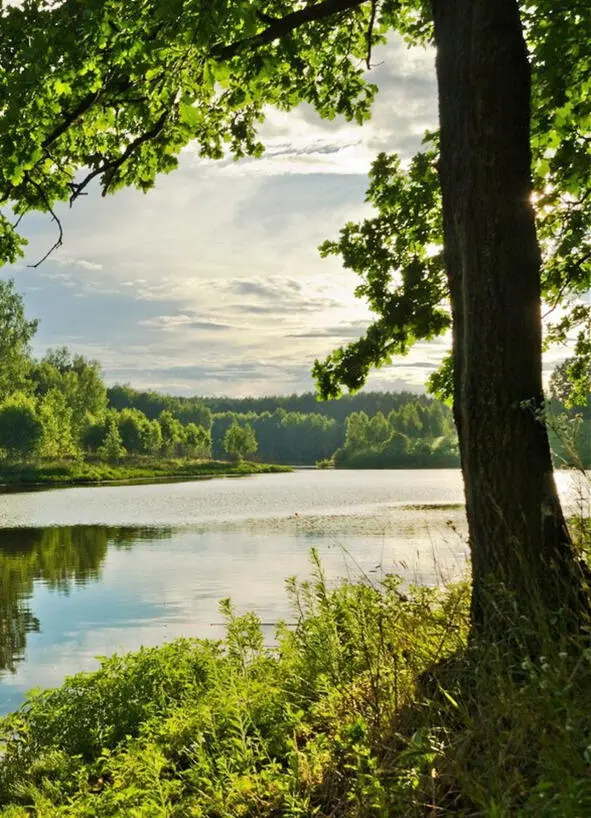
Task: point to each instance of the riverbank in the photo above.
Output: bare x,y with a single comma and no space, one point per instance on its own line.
80,473
375,705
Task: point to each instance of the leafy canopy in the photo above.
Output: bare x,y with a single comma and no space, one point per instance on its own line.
108,91
397,252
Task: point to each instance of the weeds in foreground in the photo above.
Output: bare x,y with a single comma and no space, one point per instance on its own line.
372,706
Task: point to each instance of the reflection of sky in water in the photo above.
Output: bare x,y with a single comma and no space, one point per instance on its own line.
161,586
266,495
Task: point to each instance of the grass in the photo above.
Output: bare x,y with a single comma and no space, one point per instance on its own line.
137,470
373,706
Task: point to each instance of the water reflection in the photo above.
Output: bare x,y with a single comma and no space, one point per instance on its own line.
60,558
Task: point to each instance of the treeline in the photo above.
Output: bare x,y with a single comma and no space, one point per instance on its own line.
193,409
59,407
412,437
286,433
61,410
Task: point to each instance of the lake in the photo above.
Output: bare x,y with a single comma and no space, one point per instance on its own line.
86,572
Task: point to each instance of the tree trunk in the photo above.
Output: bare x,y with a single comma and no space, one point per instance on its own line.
518,536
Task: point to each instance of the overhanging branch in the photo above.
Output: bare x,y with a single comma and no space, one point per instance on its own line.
276,28
285,25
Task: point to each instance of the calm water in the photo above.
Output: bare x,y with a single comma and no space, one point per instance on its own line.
86,572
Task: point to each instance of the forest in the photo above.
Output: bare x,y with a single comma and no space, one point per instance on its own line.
59,409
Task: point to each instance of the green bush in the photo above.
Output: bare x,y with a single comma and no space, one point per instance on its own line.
370,704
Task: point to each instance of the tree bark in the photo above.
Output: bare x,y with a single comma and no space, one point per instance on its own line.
518,535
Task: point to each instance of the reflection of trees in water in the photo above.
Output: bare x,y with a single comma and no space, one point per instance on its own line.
58,557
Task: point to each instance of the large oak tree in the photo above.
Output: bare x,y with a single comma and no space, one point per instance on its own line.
109,90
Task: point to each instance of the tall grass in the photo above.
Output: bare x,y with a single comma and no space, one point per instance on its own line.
371,705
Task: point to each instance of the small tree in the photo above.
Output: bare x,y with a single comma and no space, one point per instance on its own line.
133,429
197,441
357,430
378,430
112,449
151,437
15,337
240,441
56,417
172,432
21,430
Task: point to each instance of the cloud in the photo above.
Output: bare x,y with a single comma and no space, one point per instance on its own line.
350,330
82,263
182,320
270,289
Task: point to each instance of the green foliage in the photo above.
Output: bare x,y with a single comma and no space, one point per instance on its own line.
306,403
143,469
78,379
123,96
197,441
56,417
398,252
568,416
112,450
151,437
187,410
203,728
133,429
240,441
16,333
561,125
399,256
570,383
415,436
21,429
371,703
72,402
118,90
172,433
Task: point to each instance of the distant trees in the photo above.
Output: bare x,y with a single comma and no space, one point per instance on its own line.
56,416
132,425
306,404
297,429
78,379
59,407
152,404
16,333
21,429
151,436
112,449
197,441
283,437
240,441
172,433
413,437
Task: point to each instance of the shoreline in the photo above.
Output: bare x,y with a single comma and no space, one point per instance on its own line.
90,474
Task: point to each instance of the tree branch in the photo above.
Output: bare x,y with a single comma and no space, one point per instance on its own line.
113,166
285,25
60,238
372,22
115,86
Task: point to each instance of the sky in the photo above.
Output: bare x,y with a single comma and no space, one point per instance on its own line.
211,283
